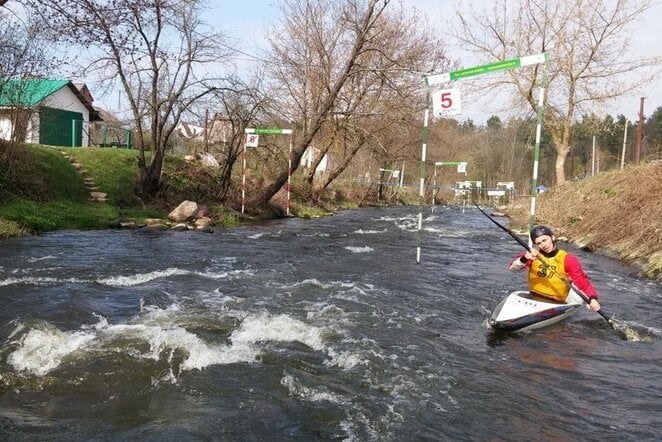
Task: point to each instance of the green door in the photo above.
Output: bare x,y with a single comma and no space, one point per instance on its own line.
55,127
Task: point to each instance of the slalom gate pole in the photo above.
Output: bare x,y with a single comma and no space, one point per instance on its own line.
289,176
243,177
421,193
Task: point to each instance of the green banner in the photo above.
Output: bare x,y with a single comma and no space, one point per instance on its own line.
487,68
269,131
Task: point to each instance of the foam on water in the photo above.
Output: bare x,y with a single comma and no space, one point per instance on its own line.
38,280
42,349
122,281
369,232
41,258
296,389
364,249
142,278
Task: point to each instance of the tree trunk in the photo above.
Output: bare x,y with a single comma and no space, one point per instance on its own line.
561,155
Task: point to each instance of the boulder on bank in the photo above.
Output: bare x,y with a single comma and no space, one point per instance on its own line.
203,222
186,211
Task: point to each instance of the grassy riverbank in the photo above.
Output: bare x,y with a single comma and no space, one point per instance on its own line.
44,189
618,211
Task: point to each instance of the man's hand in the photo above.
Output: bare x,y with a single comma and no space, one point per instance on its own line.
531,255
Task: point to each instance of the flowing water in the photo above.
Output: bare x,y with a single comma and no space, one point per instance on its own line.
313,329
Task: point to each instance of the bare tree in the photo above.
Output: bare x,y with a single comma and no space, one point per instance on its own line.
588,55
153,48
238,108
355,22
24,53
350,69
382,99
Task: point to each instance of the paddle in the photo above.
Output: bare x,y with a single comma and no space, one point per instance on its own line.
567,282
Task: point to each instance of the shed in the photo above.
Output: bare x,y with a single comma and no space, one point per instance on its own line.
52,112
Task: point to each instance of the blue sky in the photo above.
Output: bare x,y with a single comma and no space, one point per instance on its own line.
247,21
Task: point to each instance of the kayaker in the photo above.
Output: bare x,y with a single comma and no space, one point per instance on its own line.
549,279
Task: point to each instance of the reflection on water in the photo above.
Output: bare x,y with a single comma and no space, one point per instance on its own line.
312,329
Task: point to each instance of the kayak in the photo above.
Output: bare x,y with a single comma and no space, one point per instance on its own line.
522,311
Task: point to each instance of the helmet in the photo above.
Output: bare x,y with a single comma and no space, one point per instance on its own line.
540,231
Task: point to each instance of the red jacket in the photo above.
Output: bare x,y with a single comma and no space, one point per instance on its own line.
572,267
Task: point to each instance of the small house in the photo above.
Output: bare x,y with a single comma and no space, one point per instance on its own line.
41,111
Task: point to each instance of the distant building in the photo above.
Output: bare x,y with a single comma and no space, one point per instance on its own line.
219,130
309,155
52,112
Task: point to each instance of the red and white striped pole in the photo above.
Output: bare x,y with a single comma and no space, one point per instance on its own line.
289,172
243,176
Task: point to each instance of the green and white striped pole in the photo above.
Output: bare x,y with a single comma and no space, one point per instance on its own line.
536,153
421,193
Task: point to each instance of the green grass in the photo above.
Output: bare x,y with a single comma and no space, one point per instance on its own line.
308,212
41,173
114,171
45,192
40,190
59,214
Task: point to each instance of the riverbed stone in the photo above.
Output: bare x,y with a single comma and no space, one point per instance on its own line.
184,212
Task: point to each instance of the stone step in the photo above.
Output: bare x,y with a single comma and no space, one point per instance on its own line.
98,194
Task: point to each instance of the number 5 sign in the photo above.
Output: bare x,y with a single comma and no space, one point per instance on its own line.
446,102
252,140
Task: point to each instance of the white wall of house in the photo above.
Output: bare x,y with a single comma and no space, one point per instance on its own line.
5,128
309,156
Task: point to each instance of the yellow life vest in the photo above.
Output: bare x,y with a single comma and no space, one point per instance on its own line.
547,283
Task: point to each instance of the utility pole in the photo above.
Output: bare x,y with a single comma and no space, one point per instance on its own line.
640,131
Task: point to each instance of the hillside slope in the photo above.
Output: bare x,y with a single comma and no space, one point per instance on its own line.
619,211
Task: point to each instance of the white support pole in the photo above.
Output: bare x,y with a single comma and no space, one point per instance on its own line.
625,138
289,176
593,158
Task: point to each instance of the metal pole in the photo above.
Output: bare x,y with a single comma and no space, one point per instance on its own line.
593,158
243,176
421,192
536,154
289,176
434,185
640,131
625,137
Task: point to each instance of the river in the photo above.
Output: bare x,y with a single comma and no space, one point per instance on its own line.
313,330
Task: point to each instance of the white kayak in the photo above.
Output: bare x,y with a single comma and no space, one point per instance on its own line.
521,311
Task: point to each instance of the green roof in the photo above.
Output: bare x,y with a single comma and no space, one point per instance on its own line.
28,93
